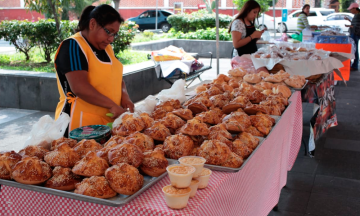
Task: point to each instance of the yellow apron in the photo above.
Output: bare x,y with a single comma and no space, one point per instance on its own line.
105,77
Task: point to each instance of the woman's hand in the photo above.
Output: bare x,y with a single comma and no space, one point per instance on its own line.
116,111
256,34
127,103
347,18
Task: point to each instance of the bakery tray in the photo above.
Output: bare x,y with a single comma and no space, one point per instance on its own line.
116,201
299,89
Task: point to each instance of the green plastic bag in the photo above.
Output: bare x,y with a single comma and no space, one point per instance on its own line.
297,36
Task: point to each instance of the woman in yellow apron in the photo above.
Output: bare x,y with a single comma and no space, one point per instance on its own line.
89,76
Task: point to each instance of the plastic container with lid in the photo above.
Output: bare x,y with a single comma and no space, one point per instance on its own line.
100,133
307,35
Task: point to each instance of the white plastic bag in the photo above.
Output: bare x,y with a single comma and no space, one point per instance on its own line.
177,91
147,105
47,130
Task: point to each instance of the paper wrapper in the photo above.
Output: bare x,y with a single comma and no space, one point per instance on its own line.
304,67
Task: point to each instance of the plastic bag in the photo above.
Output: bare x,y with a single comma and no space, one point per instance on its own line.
47,130
241,61
177,91
147,105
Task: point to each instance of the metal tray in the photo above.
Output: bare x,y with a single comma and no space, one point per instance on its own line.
229,169
299,89
116,201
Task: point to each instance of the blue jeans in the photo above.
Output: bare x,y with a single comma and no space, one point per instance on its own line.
355,63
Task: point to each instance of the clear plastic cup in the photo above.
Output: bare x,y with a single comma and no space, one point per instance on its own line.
194,186
204,178
176,198
195,161
180,175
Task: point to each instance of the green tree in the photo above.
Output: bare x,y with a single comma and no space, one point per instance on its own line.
265,4
344,4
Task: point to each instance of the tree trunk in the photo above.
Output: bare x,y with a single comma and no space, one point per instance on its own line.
117,3
56,17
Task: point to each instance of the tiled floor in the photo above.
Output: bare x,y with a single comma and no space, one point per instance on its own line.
328,184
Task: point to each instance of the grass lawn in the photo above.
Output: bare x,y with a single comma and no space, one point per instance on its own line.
37,63
143,37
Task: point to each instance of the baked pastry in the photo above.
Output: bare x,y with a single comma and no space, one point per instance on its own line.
168,105
215,152
130,124
154,163
235,79
234,82
148,121
276,107
235,104
185,114
143,141
85,146
284,90
7,162
213,90
252,78
237,72
226,87
197,107
274,78
233,161
255,108
236,121
219,129
114,140
213,116
70,142
241,149
158,114
253,131
264,74
220,100
248,139
124,178
159,147
126,153
283,74
256,97
222,78
31,170
34,151
63,156
177,146
262,122
63,179
172,121
295,82
197,139
158,131
95,186
201,88
90,165
221,138
195,127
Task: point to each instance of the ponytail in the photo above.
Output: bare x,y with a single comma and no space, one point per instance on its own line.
103,14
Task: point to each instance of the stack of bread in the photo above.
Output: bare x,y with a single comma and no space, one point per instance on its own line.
186,178
87,167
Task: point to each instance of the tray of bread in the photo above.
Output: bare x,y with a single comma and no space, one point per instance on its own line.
206,123
86,170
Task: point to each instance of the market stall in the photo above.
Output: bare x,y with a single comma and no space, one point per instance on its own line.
254,190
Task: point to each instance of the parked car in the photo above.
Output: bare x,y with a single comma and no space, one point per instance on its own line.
147,19
338,19
316,17
268,21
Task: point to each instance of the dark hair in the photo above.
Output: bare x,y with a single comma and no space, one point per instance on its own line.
303,8
245,10
103,14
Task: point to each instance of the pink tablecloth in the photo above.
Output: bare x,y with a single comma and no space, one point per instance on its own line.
254,190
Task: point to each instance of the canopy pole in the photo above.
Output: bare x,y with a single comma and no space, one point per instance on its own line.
273,1
217,38
156,16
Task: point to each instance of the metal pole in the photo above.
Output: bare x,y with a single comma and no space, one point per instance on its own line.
156,16
274,18
217,38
